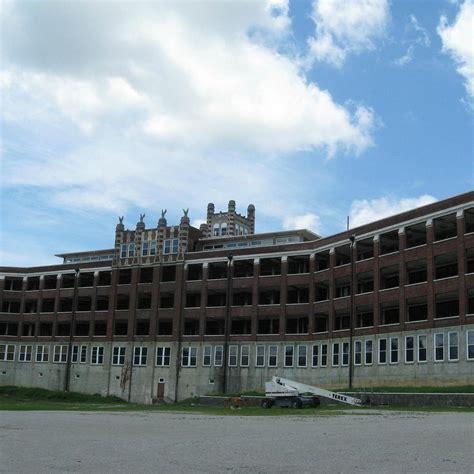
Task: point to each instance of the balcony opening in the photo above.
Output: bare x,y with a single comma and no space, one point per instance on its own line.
195,271
415,235
33,283
47,305
389,242
214,326
390,313
123,302
470,260
216,298
86,279
297,325
84,303
146,275
342,287
241,326
270,266
191,327
125,276
50,282
46,329
121,327
165,327
364,316
11,306
217,270
321,291
321,322
446,265
417,309
365,249
343,255
365,282
469,220
417,271
321,261
445,227
82,328
8,329
142,327
31,306
298,264
243,268
168,273
242,298
166,300
268,325
65,305
102,303
470,301
269,296
105,278
342,320
63,329
193,300
13,284
100,328
447,305
389,277
298,295
28,329
144,301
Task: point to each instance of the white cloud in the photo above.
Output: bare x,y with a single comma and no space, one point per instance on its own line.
365,211
343,27
458,41
406,58
308,221
418,36
423,36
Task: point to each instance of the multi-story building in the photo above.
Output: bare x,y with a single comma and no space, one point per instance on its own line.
175,311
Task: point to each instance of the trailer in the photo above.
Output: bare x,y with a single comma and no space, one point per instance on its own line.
288,393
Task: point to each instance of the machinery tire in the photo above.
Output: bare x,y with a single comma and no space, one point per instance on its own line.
296,403
316,402
266,403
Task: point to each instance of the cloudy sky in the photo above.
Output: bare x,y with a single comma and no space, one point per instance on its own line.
310,110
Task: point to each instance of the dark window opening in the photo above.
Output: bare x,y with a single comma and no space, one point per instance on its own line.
50,282
82,328
447,305
125,276
417,309
8,329
343,255
269,297
144,301
165,327
321,291
470,260
389,242
365,249
299,264
446,265
415,235
243,268
470,301
121,327
417,271
31,306
321,261
342,320
195,271
469,220
86,279
9,306
297,295
123,302
241,326
33,283
142,327
166,300
297,325
102,303
342,287
168,273
146,275
389,277
193,300
105,278
68,280
216,299
13,284
268,326
100,328
389,313
445,227
242,298
84,303
365,282
215,327
28,329
321,322
47,305
270,266
63,329
217,270
46,329
65,305
191,327
364,317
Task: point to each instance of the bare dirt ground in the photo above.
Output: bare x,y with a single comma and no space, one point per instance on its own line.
177,443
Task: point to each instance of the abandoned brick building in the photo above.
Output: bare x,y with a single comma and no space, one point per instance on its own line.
173,311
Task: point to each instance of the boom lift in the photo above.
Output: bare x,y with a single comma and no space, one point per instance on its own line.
288,393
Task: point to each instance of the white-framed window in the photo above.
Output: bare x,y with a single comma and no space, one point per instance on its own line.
260,356
302,356
357,352
224,229
439,347
244,356
453,346
272,356
315,356
145,248
324,355
75,354
123,251
422,350
42,353
171,246
369,352
207,356
289,356
118,355
163,356
233,355
140,356
394,350
152,247
25,353
215,230
7,352
382,351
189,357
83,357
97,355
60,354
131,250
345,353
470,345
409,349
335,354
218,356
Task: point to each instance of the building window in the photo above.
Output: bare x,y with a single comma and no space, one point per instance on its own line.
118,355
123,250
244,356
453,346
149,247
369,352
439,347
140,354
260,356
233,354
382,351
189,357
302,356
25,353
171,246
60,354
324,355
422,352
357,352
289,356
75,354
131,250
345,353
218,356
470,345
7,352
83,358
42,353
315,356
409,349
163,356
97,357
272,356
394,350
207,356
335,354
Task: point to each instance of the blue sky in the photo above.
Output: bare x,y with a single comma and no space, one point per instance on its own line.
310,110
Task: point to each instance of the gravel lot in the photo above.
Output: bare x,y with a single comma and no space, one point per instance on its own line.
176,443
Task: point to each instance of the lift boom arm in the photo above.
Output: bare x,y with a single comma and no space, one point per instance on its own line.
280,387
